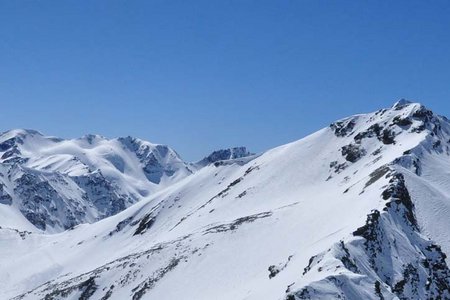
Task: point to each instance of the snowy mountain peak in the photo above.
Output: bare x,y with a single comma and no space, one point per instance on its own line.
399,129
57,184
19,132
224,155
402,117
401,103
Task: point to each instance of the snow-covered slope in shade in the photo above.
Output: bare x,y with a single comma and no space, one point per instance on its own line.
57,184
358,210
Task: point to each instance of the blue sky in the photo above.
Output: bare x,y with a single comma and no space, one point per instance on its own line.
202,75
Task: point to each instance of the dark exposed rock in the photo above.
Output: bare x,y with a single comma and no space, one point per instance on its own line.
372,131
437,144
388,137
11,153
418,129
352,152
438,282
242,194
274,270
5,198
251,169
340,167
303,294
378,290
10,143
290,297
38,204
102,194
236,223
377,151
145,223
368,230
385,135
121,225
404,122
153,170
347,260
398,193
108,293
376,175
43,205
423,113
312,260
343,128
87,289
410,277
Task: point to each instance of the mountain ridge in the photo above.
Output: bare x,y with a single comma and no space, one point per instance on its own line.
99,176
356,210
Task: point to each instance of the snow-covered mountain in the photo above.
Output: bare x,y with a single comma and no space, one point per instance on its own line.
57,184
224,156
357,210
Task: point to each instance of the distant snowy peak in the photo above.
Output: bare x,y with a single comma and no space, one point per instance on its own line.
57,183
19,132
14,144
223,155
31,144
157,160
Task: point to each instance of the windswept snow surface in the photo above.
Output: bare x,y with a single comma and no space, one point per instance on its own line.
357,210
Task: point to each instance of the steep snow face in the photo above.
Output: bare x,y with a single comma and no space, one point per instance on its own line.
354,211
57,184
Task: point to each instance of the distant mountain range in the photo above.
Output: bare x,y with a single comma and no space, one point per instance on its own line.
357,210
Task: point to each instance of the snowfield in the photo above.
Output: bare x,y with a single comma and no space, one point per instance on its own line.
357,210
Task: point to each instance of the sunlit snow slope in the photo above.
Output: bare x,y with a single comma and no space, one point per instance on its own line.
358,210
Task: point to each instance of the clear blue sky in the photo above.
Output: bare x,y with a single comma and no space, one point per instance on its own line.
201,75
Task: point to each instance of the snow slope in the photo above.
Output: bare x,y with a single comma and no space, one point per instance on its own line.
358,210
